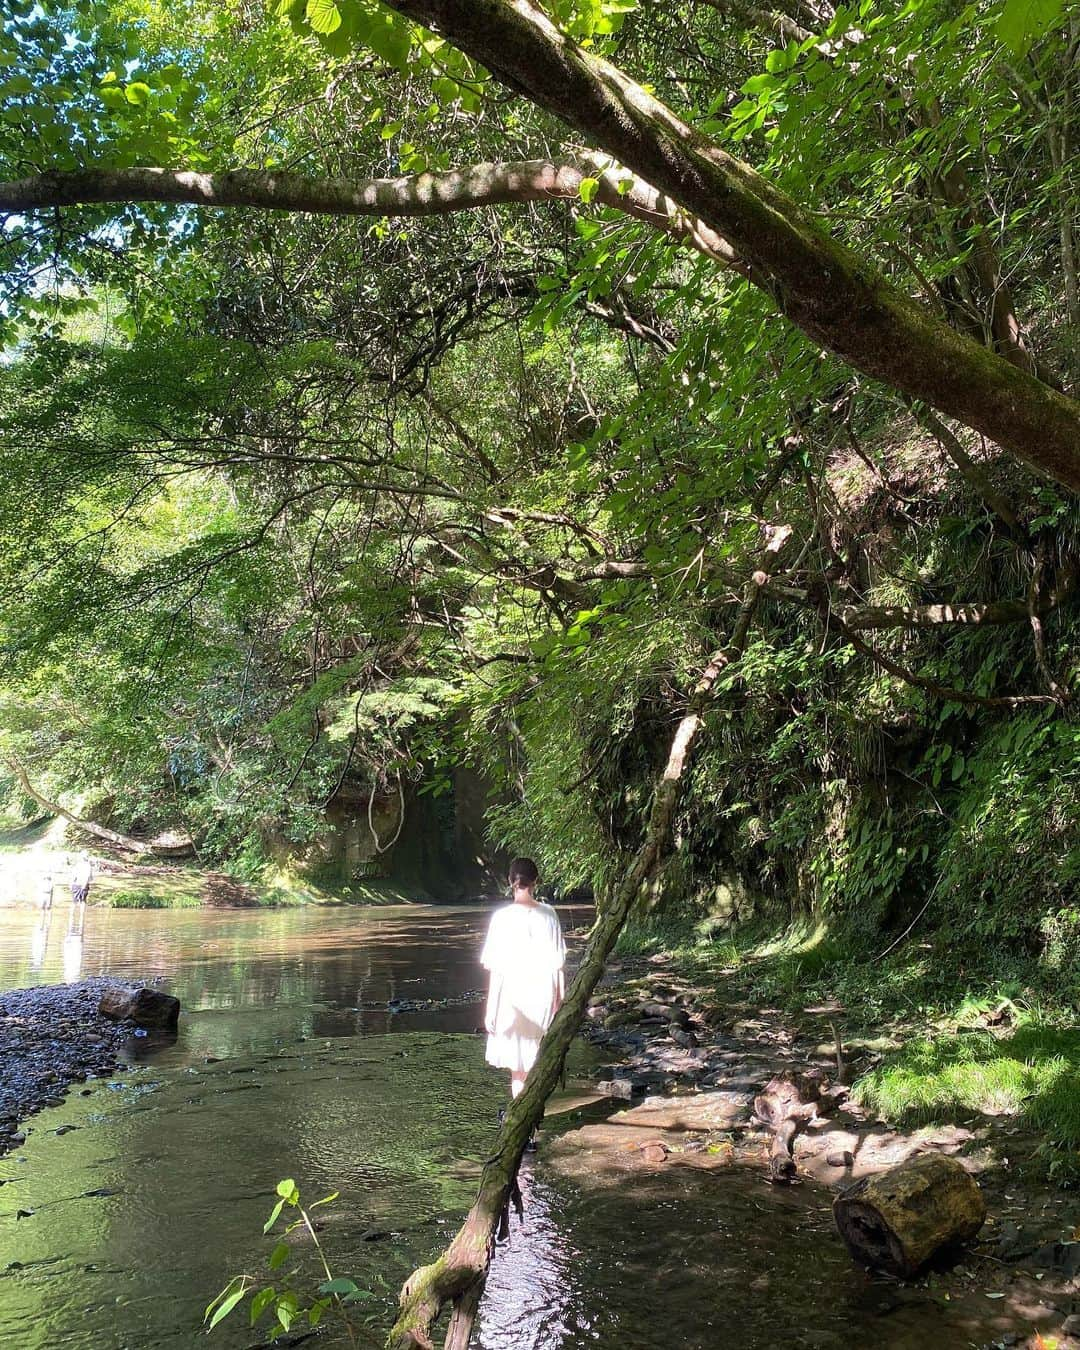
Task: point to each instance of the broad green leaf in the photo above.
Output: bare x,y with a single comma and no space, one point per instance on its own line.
340,1285
323,15
279,1255
261,1302
1023,22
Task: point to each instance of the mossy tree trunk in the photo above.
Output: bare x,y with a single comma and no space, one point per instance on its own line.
833,295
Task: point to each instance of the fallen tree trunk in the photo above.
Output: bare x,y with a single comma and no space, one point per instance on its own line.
458,1275
789,1103
898,1220
173,847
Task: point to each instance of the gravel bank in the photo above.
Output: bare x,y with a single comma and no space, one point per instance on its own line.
50,1037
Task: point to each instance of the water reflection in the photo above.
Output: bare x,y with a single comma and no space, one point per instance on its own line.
533,1283
73,943
39,939
253,980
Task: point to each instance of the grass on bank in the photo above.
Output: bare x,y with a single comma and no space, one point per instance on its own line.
1033,1072
934,997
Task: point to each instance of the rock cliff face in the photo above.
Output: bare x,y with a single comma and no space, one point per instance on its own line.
424,844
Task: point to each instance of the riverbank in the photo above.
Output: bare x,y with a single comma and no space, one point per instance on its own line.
51,1038
688,1056
34,856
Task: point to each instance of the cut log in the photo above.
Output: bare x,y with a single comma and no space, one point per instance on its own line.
898,1220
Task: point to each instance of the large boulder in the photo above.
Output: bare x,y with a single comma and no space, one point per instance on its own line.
145,1007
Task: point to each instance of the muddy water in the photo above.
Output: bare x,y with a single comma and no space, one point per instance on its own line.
132,1203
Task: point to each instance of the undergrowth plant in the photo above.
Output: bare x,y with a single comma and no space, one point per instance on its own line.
290,1298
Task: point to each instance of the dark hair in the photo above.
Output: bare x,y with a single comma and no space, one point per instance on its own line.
523,872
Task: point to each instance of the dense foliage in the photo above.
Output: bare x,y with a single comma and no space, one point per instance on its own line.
299,505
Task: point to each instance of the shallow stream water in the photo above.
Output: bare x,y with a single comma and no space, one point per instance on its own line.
129,1206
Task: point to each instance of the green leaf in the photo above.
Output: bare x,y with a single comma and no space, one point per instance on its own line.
261,1302
390,40
341,1285
275,1213
137,93
1023,22
323,16
326,1199
227,1304
288,1191
757,84
279,1255
587,189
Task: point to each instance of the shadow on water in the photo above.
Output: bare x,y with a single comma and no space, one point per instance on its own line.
130,1205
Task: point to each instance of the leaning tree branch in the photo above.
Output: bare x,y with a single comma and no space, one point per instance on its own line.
974,473
832,294
993,614
832,621
457,1276
422,194
118,840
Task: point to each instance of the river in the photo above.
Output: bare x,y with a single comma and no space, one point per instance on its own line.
131,1204
142,1195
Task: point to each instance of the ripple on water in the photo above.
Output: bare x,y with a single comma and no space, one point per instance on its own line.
184,1178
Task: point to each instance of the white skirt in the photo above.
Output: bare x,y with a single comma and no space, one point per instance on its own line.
515,1048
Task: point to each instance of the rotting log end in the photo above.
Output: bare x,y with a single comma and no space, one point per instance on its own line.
897,1221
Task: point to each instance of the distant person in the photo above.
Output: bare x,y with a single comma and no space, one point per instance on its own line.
45,891
525,953
81,877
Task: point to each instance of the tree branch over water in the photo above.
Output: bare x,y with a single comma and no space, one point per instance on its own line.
423,194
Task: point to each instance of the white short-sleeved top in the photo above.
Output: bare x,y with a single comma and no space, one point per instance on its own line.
525,950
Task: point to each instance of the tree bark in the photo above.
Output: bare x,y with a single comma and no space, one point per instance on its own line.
818,283
896,1221
457,1276
423,194
681,182
883,617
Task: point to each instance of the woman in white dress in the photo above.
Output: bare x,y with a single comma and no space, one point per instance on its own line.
524,953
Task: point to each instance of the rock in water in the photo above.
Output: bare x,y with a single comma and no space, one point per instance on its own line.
896,1221
144,1007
